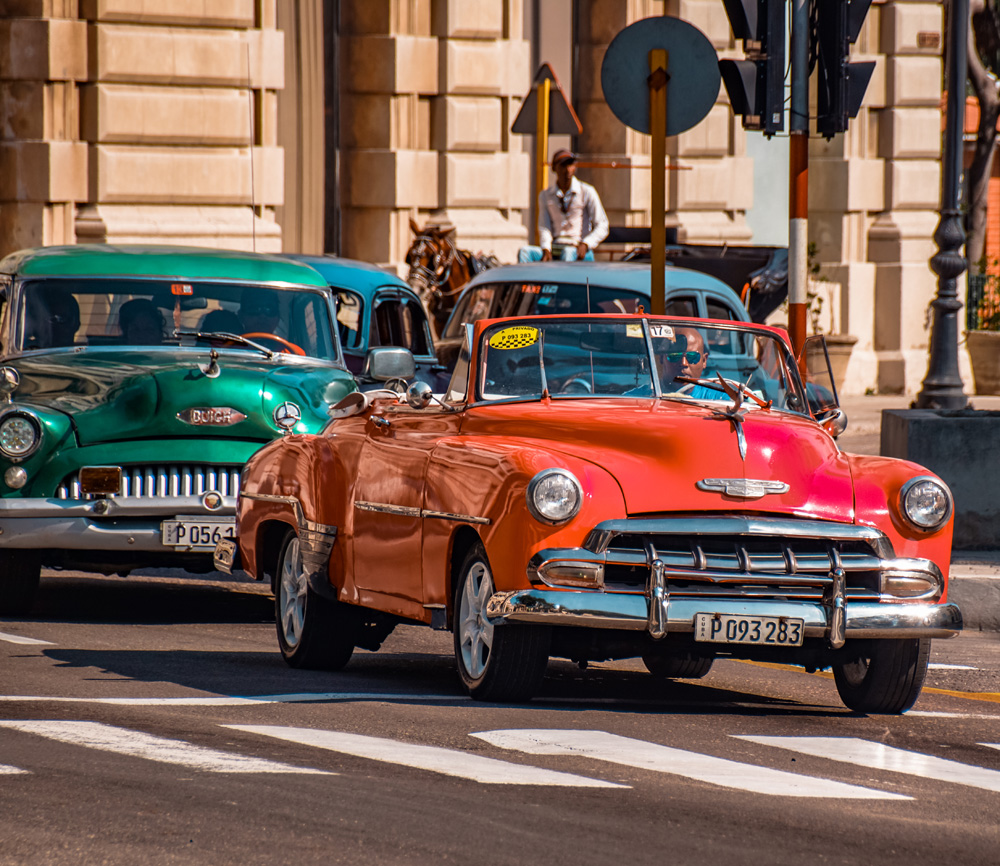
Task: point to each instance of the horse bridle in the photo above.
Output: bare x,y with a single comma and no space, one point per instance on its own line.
436,276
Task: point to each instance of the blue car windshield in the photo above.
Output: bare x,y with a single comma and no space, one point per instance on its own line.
124,312
637,357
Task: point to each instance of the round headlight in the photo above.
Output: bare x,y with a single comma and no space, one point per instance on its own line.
925,502
554,496
19,435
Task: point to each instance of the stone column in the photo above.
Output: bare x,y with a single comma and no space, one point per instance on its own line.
180,114
901,237
428,95
708,195
43,56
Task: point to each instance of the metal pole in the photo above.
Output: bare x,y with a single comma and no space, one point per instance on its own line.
541,145
942,386
798,182
658,167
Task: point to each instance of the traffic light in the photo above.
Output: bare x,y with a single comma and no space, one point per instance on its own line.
840,86
756,86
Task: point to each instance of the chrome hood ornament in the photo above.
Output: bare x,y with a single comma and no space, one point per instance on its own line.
742,488
735,414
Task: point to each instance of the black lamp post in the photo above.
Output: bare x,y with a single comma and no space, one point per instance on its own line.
942,386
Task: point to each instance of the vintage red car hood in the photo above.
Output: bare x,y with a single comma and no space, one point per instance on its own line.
659,452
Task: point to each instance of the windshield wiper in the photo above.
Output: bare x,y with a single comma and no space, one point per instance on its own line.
225,335
730,387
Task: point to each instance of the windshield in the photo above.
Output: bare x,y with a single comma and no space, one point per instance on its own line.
111,312
637,357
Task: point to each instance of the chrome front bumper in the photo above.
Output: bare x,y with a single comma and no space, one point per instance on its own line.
99,524
631,612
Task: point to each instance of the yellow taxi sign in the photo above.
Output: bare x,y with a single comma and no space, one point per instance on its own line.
514,337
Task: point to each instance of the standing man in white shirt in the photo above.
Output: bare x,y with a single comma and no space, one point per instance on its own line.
571,219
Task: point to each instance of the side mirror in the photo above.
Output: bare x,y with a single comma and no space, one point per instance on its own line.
419,395
834,421
389,362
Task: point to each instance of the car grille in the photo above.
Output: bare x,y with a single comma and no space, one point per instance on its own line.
763,565
159,481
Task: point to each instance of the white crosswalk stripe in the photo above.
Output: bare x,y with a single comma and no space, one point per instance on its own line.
21,639
95,735
8,770
866,753
450,762
603,746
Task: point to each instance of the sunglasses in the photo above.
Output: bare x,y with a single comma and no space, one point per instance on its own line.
690,357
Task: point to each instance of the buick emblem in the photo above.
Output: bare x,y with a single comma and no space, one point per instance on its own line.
211,416
286,416
742,488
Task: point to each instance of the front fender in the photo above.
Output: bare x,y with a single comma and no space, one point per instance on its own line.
877,485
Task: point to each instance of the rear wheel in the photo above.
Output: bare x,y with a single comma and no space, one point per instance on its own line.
501,663
313,632
886,677
19,576
676,667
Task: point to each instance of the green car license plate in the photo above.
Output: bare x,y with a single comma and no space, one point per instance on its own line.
197,533
736,628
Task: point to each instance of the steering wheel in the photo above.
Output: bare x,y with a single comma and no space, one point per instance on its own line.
291,347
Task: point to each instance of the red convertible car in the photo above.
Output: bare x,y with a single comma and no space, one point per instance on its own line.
600,487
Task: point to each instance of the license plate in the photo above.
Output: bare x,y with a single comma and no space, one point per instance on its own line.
197,533
736,628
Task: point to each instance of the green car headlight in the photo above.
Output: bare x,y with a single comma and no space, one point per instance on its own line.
20,435
554,496
925,502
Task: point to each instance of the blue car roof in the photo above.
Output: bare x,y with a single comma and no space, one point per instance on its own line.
621,275
350,273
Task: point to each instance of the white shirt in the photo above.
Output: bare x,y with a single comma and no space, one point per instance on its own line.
571,217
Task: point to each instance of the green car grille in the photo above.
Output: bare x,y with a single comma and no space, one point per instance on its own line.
165,480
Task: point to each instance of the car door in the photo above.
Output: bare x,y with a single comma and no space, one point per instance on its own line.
389,501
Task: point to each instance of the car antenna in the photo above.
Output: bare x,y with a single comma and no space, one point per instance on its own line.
588,295
253,197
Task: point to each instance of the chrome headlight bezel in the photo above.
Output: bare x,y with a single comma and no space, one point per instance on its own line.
36,428
541,483
905,509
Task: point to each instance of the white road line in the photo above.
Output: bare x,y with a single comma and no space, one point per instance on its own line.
991,745
866,753
602,746
95,735
8,770
233,700
941,666
934,715
17,638
450,762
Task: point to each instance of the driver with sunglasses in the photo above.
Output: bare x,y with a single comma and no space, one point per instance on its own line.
693,361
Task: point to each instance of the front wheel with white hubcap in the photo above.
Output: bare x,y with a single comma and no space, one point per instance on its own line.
885,677
313,632
496,663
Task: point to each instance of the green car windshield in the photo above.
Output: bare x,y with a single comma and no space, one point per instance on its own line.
107,312
639,358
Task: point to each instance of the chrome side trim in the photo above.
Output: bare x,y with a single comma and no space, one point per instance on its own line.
423,513
594,609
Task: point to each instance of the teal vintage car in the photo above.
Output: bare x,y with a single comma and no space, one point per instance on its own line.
135,381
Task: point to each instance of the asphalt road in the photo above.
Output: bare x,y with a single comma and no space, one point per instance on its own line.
152,721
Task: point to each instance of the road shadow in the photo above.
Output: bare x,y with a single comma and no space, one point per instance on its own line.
146,599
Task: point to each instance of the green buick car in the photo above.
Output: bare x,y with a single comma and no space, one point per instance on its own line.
135,382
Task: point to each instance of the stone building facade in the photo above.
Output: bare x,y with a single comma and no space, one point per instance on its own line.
327,125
